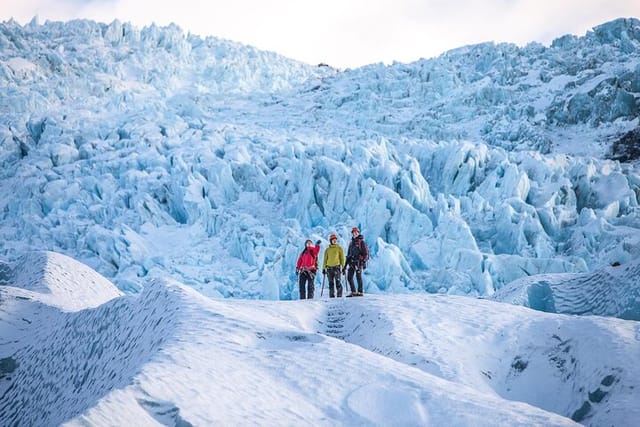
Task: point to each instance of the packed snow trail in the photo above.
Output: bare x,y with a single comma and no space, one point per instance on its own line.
335,320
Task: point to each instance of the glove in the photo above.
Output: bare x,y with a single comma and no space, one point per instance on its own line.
364,265
324,271
297,271
318,242
344,270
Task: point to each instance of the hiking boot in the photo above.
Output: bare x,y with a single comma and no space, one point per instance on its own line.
352,294
359,294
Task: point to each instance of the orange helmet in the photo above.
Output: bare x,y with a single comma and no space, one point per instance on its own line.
356,229
332,237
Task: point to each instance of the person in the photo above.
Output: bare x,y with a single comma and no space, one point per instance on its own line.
332,266
306,269
357,257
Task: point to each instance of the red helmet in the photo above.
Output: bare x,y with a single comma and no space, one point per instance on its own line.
332,237
356,229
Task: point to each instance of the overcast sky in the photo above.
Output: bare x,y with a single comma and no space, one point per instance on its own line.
346,33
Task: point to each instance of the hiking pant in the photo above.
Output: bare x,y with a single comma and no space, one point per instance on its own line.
307,277
333,274
357,270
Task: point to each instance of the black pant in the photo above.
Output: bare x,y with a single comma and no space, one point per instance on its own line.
357,270
307,277
333,274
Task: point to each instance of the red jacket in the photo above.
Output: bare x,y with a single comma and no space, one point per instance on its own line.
307,259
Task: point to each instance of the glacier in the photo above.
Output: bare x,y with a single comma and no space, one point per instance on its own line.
609,291
171,356
156,188
154,153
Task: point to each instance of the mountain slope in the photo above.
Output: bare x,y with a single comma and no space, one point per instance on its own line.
171,355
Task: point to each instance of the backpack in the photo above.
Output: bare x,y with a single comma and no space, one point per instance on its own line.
364,251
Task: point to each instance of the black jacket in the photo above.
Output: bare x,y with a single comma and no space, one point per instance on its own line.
358,251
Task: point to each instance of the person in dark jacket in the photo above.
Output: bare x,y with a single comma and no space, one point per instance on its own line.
357,257
306,269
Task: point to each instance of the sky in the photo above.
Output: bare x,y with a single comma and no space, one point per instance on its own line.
346,33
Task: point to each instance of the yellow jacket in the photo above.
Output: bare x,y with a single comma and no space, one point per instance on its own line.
333,256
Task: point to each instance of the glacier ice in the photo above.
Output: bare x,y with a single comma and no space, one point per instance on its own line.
609,291
151,152
159,356
73,339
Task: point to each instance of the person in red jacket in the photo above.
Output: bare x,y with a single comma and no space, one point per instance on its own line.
306,269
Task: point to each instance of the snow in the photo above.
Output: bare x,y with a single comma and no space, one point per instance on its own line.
21,67
53,279
610,291
172,355
156,188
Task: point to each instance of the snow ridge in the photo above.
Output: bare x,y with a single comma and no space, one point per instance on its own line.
45,276
610,291
160,356
66,361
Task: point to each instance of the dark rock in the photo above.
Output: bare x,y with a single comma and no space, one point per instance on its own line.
627,148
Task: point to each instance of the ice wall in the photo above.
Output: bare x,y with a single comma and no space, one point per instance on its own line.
151,152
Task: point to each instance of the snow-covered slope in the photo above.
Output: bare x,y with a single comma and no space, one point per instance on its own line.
580,367
154,153
172,356
56,362
610,291
58,281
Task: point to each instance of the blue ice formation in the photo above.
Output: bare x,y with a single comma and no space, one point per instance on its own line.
151,152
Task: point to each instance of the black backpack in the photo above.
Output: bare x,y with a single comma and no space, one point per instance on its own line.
364,250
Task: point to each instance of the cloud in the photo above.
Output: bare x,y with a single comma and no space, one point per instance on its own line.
24,10
348,33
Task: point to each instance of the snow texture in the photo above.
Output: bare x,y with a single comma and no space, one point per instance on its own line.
151,153
176,169
53,279
610,291
171,356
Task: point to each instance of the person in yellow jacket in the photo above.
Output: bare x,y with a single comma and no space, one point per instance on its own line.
332,266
